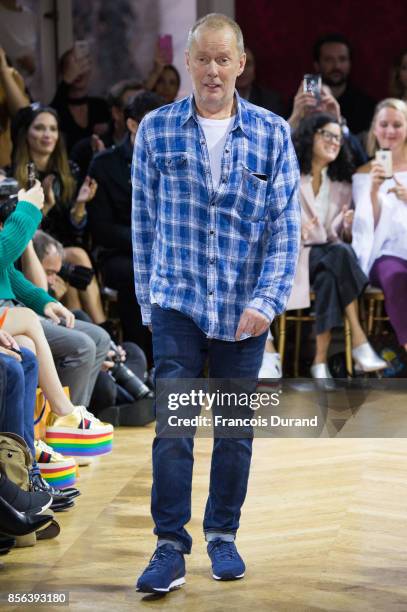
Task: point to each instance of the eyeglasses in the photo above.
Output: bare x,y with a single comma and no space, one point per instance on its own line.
329,137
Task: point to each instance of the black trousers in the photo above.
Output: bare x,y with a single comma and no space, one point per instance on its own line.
118,273
337,280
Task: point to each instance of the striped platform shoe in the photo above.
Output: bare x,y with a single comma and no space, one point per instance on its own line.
57,470
79,434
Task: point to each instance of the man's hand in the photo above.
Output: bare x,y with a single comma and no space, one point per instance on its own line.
329,103
74,67
55,311
59,287
252,322
7,342
400,191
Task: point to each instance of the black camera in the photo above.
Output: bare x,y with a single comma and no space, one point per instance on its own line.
8,198
77,276
127,379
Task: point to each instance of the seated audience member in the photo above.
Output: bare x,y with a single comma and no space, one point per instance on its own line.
327,262
305,104
332,59
164,79
22,381
18,413
398,77
80,115
24,324
12,99
380,224
38,139
249,89
118,97
80,351
110,220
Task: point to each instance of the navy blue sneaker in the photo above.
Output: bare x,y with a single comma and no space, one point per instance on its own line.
227,564
165,572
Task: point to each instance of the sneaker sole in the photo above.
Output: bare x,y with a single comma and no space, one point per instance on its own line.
227,577
175,584
75,442
61,474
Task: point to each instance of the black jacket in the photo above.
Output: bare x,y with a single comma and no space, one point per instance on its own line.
109,213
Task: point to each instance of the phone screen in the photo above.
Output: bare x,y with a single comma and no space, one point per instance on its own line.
166,48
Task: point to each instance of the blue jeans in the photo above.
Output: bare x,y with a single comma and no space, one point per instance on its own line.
22,380
180,351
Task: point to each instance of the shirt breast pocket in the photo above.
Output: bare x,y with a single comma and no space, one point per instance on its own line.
251,201
174,170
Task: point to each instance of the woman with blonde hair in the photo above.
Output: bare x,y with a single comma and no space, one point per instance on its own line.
380,223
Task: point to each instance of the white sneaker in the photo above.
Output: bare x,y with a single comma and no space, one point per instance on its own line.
271,366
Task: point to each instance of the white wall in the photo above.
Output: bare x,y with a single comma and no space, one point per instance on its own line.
176,17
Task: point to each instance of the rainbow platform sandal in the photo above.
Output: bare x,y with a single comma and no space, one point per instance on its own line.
57,470
79,434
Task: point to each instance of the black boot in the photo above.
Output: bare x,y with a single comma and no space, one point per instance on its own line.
61,500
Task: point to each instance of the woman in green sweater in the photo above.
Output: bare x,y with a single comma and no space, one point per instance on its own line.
23,322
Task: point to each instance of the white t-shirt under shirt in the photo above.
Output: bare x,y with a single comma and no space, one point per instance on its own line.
216,132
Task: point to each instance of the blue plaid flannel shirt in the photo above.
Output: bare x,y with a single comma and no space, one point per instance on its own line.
210,254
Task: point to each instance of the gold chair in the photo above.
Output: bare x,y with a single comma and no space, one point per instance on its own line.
299,317
373,297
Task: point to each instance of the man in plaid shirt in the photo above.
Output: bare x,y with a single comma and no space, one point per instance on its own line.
216,229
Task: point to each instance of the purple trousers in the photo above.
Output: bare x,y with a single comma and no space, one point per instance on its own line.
390,274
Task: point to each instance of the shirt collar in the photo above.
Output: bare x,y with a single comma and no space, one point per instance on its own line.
242,120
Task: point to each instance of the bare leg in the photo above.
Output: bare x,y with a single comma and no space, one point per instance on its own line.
270,348
23,323
71,299
90,298
358,335
322,345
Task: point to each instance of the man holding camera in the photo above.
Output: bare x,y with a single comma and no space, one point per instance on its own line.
216,230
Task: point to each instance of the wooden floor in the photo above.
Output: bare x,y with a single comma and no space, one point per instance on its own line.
324,528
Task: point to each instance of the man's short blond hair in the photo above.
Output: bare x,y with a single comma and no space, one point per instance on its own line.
217,21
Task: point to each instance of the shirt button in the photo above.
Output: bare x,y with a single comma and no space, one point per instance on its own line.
210,292
202,142
227,150
211,232
212,203
224,179
211,261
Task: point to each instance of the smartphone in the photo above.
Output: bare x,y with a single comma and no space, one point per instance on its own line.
31,174
81,49
384,157
166,48
312,83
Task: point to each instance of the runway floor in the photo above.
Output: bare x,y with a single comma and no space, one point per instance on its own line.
324,527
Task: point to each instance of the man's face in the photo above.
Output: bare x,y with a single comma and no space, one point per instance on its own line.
214,63
52,264
334,63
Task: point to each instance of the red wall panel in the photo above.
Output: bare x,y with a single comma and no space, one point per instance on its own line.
281,35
